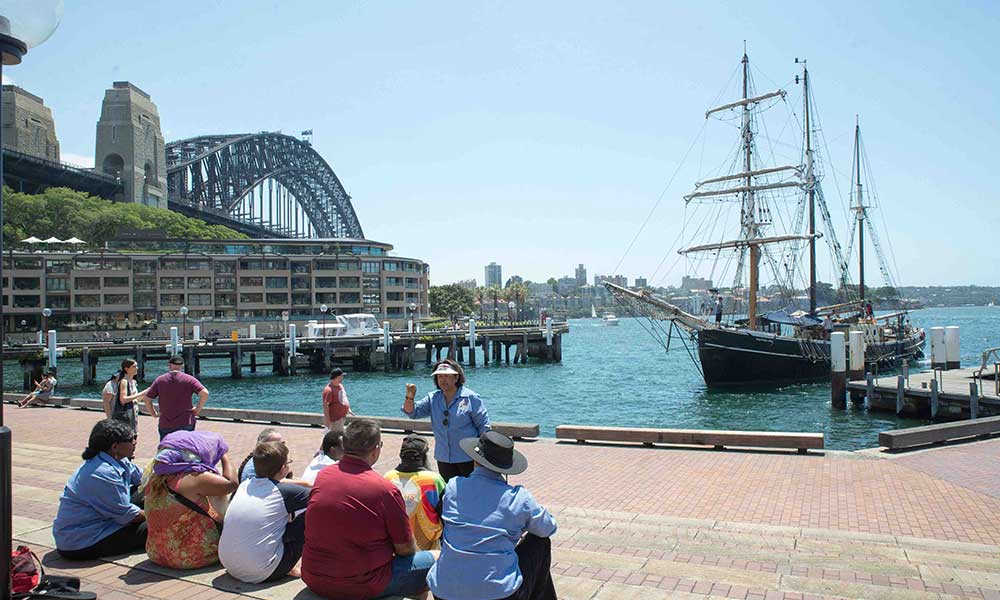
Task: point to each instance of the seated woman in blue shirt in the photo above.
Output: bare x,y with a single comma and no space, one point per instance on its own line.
456,412
96,515
483,554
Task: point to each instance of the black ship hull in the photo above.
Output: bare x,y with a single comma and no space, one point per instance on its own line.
744,358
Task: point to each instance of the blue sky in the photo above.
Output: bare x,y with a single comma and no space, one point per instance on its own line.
540,135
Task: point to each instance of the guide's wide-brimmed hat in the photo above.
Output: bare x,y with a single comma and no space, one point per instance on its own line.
496,452
444,369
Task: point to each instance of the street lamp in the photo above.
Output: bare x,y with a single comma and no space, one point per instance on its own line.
46,313
23,25
323,308
510,313
184,322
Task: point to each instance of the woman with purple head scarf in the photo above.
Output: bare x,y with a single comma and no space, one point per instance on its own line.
184,527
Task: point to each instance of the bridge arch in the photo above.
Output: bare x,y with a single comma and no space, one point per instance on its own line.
263,184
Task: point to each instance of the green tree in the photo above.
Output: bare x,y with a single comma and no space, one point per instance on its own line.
450,300
495,294
66,213
479,296
518,292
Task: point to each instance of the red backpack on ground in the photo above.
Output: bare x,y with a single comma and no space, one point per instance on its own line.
25,570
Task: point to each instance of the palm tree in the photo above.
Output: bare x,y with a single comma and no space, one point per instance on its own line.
519,293
479,294
495,293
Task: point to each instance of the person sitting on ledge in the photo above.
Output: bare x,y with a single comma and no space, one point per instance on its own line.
43,390
265,522
330,453
96,515
483,554
184,526
358,539
421,489
247,470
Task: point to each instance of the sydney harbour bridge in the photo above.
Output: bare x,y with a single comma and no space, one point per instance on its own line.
263,184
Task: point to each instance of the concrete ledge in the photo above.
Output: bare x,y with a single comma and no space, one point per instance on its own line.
942,432
693,437
514,430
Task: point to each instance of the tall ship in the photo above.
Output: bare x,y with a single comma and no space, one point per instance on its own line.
754,219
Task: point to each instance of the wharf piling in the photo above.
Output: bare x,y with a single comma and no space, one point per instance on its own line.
838,374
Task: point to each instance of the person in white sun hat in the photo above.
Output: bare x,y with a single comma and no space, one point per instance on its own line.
456,412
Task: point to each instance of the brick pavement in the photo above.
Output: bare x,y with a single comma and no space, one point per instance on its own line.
644,522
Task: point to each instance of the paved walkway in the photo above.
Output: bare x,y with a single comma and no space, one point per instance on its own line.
636,522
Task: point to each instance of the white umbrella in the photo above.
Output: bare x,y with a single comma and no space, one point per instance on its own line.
52,240
74,240
31,240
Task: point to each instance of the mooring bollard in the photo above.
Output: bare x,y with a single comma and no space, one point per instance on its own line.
973,400
938,360
952,347
838,370
175,346
472,341
857,342
934,398
293,345
53,357
870,388
253,331
900,390
195,332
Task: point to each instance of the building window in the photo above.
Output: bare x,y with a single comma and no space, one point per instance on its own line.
326,282
276,265
27,301
58,302
350,298
277,298
326,298
144,266
350,282
225,300
171,283
251,282
394,296
200,299
349,265
116,282
144,283
199,283
27,263
301,299
393,282
369,267
225,282
144,301
412,283
300,267
116,299
301,283
56,283
27,283
87,300
88,283
225,266
118,264
199,264
326,265
390,266
250,298
277,283
251,265
371,282
370,299
171,299
58,266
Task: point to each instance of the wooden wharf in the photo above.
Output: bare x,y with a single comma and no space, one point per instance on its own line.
500,345
940,394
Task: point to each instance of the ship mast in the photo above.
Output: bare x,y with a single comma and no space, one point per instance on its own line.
749,209
811,190
860,210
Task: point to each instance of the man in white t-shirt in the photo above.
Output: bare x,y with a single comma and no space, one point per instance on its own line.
330,453
264,528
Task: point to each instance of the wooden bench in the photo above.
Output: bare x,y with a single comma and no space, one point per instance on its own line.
941,432
514,430
693,437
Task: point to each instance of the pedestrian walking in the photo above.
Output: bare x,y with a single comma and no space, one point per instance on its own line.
174,389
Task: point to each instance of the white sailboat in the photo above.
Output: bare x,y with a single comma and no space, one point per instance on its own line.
593,312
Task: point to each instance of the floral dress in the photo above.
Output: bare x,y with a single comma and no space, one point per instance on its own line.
179,537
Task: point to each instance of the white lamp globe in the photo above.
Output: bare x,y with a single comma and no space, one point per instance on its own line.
29,23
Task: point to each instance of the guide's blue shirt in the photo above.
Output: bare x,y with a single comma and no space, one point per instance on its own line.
467,418
95,502
484,518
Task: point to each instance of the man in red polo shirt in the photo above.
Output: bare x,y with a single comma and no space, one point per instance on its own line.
358,539
174,389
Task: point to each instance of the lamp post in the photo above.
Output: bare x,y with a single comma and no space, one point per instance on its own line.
184,323
413,307
46,313
23,25
322,309
510,313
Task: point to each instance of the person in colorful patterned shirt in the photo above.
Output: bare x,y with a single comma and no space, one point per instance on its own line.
421,489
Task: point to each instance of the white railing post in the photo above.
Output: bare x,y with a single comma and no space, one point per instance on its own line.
53,359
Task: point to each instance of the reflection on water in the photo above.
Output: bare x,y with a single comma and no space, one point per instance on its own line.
614,376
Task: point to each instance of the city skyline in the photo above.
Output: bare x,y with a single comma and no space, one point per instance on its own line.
512,133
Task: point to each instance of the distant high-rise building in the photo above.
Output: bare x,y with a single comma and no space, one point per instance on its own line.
619,280
599,279
567,285
469,284
695,283
494,275
640,282
581,276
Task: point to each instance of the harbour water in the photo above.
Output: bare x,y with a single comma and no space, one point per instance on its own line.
616,376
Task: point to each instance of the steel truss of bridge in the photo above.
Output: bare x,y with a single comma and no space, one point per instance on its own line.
262,184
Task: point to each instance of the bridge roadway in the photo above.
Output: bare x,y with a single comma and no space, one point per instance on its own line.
316,354
635,523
